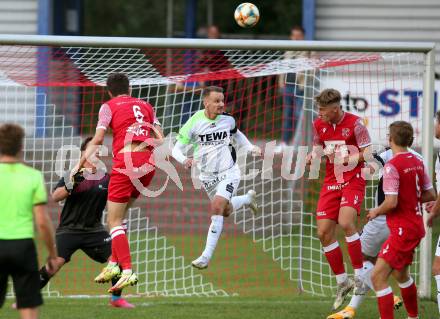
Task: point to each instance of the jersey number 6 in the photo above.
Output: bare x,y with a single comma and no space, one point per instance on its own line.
138,114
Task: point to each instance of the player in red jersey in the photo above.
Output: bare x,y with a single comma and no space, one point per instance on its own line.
406,185
343,139
135,132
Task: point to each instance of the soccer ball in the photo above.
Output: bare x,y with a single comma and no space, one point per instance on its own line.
247,15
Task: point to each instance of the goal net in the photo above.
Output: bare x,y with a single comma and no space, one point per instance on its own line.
55,92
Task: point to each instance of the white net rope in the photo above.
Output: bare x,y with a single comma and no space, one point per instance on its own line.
55,94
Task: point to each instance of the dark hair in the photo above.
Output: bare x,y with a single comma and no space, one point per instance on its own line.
209,89
11,139
85,142
297,28
437,116
118,83
402,133
327,97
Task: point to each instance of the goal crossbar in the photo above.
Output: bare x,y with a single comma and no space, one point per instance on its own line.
176,43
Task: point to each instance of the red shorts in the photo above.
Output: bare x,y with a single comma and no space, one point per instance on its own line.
335,196
398,250
132,171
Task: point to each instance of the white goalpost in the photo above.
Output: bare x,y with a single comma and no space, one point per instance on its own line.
53,86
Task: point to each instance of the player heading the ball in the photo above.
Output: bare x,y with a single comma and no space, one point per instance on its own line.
135,133
210,132
344,139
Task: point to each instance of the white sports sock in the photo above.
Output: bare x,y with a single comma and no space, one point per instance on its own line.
238,201
356,300
437,279
366,275
214,232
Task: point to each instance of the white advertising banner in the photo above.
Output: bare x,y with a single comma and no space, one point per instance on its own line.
383,102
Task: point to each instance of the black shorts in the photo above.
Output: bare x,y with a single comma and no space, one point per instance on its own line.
96,245
18,258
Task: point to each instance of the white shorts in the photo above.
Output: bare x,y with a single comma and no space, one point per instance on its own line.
437,250
224,184
374,234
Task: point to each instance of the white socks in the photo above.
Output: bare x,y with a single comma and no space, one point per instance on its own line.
214,232
356,300
238,201
366,275
437,279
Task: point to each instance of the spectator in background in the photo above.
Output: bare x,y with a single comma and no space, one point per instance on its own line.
291,86
213,32
23,198
207,61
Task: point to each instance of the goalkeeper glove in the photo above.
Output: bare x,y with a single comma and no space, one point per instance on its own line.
77,178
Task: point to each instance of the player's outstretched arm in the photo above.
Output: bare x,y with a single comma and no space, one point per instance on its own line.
178,154
242,141
97,140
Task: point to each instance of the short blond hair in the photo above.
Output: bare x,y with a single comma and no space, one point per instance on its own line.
327,97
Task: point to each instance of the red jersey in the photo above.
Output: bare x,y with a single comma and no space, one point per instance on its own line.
130,119
349,131
405,175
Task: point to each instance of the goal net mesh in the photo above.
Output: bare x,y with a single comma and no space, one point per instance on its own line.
56,93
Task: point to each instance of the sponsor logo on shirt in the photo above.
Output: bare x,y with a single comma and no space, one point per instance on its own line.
230,188
336,187
385,250
136,130
343,200
213,136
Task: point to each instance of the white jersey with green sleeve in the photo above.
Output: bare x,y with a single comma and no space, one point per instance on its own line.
211,140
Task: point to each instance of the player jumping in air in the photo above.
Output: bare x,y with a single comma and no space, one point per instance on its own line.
406,185
135,133
80,223
343,137
210,132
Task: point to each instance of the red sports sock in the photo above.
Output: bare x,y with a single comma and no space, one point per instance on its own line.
385,302
409,296
355,251
113,257
120,247
333,253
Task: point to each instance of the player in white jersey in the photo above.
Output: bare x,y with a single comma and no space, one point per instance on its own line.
210,131
435,212
374,234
